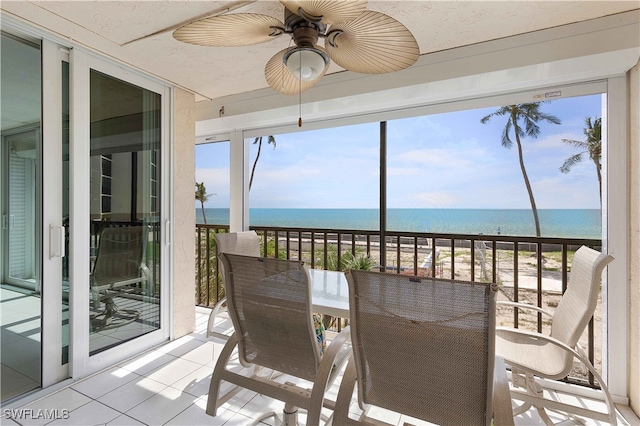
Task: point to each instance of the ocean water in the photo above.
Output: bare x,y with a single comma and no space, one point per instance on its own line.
568,223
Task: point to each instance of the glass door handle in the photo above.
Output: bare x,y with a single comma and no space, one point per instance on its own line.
56,241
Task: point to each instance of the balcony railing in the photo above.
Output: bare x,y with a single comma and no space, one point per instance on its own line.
527,269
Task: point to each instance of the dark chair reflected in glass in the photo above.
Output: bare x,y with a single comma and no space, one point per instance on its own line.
118,272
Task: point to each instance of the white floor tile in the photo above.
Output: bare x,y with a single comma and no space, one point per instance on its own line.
239,400
104,382
14,383
29,326
173,371
196,383
66,399
162,407
131,394
206,353
92,413
181,346
20,351
259,405
238,420
124,420
195,415
7,336
31,369
147,362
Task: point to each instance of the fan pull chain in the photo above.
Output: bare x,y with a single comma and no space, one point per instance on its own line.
300,106
300,96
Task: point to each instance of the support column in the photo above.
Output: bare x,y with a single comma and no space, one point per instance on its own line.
634,238
184,214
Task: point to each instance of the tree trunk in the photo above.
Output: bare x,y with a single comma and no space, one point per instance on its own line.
253,169
204,217
524,175
599,172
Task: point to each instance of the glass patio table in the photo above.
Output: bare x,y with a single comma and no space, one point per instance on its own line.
329,293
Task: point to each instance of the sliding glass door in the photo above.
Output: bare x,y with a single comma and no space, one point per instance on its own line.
118,246
125,211
20,156
82,249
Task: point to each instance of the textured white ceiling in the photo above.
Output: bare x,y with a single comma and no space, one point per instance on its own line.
110,27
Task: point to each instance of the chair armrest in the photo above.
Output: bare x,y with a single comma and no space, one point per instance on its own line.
335,355
502,411
520,305
537,336
333,359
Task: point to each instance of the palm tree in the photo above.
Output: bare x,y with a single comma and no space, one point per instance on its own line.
530,115
592,146
258,141
203,197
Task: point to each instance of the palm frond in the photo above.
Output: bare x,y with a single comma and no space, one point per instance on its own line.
506,140
272,140
575,143
570,162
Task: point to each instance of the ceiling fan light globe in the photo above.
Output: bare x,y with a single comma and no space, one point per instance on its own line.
306,64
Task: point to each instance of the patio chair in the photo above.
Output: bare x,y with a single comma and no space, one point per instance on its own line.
531,354
422,347
246,243
269,302
118,271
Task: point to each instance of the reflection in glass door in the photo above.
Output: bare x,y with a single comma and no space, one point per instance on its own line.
20,219
20,177
124,212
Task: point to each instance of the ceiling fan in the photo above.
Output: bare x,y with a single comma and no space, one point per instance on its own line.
357,39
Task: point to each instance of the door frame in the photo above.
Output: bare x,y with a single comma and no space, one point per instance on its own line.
52,251
81,63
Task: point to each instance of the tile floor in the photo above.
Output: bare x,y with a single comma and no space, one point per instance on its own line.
168,386
20,342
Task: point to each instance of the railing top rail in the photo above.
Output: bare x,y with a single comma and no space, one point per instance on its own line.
427,235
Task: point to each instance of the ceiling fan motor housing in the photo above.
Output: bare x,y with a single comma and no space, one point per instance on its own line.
305,33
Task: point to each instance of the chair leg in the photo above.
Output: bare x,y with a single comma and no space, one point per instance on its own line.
544,416
290,415
214,400
526,380
501,399
219,307
345,393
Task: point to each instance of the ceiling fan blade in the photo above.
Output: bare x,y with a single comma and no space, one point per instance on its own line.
331,11
373,43
238,29
282,80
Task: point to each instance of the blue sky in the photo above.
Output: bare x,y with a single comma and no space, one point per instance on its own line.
447,160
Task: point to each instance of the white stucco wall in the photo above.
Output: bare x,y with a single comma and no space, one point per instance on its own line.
634,239
184,214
